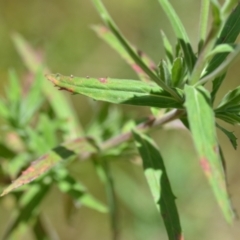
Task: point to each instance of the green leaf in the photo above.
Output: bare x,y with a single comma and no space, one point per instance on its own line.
159,184
221,48
232,118
104,172
203,23
6,152
116,90
232,138
40,231
67,184
230,100
13,90
60,104
112,26
104,33
167,47
180,33
65,151
229,35
177,72
202,125
34,99
29,205
164,72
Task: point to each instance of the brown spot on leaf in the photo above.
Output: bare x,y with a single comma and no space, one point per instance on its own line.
103,30
205,165
136,68
66,89
103,80
28,170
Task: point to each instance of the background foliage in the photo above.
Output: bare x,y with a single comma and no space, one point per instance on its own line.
62,30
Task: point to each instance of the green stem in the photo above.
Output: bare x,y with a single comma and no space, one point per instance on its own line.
221,69
205,4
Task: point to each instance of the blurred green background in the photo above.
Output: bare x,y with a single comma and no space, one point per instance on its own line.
61,31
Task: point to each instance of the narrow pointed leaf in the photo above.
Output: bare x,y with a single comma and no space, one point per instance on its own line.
221,48
29,206
159,184
116,90
40,231
60,104
228,34
232,118
177,72
104,172
203,23
230,100
202,125
232,138
167,47
66,151
164,72
180,33
104,33
112,26
77,191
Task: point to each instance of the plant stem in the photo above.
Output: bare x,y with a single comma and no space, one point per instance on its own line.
144,126
205,4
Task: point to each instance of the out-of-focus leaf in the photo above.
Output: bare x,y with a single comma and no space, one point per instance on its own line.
159,184
6,152
228,7
105,175
29,205
32,102
81,146
232,138
180,33
228,35
40,231
202,125
104,33
116,90
77,191
13,90
13,167
60,104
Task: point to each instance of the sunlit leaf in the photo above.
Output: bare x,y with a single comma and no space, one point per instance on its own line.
159,184
202,125
116,90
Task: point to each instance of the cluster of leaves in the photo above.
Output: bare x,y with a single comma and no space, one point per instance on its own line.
176,85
